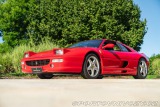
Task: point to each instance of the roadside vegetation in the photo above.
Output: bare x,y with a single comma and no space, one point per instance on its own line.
154,70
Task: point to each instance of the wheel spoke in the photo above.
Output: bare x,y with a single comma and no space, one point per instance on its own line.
144,72
90,62
89,67
92,72
96,68
94,61
140,66
141,69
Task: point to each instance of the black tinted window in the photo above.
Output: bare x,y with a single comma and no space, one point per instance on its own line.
124,49
89,43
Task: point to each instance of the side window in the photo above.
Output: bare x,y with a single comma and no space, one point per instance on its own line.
116,48
124,49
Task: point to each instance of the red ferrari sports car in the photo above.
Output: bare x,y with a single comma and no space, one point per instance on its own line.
92,59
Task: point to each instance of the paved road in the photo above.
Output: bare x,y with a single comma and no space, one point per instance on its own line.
79,93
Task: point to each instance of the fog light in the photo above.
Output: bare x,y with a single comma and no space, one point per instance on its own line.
22,63
52,65
57,60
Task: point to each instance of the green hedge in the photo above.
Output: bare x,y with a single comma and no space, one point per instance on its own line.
154,65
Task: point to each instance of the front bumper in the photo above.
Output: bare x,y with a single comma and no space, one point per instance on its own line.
55,65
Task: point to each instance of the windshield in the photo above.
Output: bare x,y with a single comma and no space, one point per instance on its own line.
89,43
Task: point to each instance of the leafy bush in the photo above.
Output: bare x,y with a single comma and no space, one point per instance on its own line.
6,64
154,67
5,48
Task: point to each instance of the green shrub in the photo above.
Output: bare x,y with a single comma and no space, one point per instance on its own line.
6,64
17,55
4,48
156,66
152,60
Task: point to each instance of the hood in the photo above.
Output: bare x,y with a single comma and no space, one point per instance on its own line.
48,53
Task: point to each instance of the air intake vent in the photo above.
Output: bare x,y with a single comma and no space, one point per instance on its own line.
38,62
125,63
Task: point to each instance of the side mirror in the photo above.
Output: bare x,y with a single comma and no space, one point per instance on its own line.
108,46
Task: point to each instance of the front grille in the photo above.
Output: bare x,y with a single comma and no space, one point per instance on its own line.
38,62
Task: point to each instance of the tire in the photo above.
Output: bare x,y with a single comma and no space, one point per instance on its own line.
91,67
142,69
45,76
100,77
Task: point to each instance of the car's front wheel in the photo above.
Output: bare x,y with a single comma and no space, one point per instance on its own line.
142,69
45,76
91,67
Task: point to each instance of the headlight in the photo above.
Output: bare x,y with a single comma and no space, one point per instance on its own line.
26,55
59,52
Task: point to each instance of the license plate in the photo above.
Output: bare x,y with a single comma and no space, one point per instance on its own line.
36,70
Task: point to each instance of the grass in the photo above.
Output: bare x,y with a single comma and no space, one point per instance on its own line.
153,77
17,76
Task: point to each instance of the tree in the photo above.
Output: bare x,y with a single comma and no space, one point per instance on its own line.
13,21
2,1
70,21
0,33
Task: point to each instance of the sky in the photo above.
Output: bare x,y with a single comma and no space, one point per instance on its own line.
150,10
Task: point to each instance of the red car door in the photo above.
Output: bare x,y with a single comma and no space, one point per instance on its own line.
110,59
116,60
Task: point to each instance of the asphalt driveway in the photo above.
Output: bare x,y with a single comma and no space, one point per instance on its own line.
79,93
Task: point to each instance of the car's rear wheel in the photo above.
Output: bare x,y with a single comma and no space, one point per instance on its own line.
91,67
45,76
142,69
